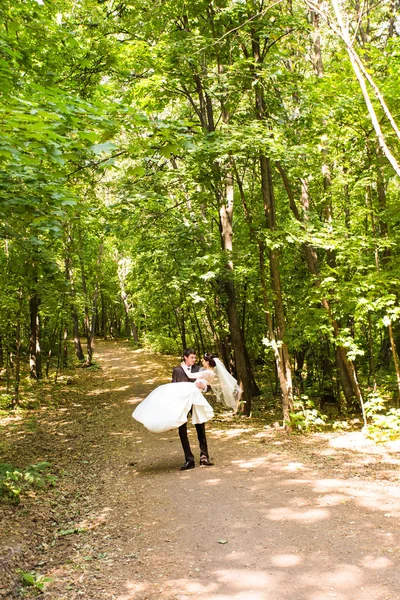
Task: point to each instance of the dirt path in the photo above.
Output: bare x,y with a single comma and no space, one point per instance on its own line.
277,517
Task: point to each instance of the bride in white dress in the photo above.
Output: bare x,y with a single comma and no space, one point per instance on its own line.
167,406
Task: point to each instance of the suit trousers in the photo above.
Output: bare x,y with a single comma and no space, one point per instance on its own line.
201,435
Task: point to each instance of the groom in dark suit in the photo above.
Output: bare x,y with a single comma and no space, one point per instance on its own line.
181,374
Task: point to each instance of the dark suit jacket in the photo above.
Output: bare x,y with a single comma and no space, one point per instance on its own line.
179,375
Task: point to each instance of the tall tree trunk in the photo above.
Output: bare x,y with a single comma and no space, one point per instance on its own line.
395,361
95,298
130,325
65,348
226,230
267,190
371,354
35,364
222,344
203,349
74,313
1,352
17,376
224,193
383,227
275,346
269,207
103,316
87,312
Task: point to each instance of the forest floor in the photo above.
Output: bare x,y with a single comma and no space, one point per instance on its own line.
279,517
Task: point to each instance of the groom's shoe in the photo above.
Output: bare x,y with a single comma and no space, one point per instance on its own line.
189,464
205,462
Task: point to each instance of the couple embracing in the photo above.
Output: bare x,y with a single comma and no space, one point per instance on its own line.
168,406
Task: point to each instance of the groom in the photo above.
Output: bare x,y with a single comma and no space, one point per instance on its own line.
181,374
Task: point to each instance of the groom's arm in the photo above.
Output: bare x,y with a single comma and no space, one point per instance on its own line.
177,375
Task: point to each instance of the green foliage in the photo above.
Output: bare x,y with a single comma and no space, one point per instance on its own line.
118,129
34,580
15,482
384,423
305,416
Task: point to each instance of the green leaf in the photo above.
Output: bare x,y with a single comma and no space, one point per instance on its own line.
99,148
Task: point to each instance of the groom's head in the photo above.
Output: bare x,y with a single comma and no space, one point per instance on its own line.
189,356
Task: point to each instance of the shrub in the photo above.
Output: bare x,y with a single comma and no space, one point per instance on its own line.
305,417
384,423
14,481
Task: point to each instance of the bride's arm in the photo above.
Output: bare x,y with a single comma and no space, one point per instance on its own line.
197,375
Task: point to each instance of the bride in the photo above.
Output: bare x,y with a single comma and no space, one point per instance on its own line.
167,406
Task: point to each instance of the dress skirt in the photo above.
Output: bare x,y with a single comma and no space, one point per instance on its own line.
167,407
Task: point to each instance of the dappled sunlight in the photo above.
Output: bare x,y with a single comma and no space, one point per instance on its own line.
375,562
134,400
286,560
286,513
133,588
344,576
356,441
108,390
251,464
370,496
332,499
230,433
294,466
242,578
288,577
192,587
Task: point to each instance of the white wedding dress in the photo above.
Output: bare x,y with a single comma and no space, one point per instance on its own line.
167,406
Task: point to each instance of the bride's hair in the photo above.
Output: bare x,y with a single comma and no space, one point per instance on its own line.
210,359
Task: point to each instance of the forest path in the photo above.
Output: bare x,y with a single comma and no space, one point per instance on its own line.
277,518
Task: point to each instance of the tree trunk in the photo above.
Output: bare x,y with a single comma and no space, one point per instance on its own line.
226,230
279,365
362,75
269,208
1,352
17,377
35,362
74,312
396,362
130,325
65,348
180,322
87,313
383,227
371,354
345,367
203,349
222,344
225,198
103,316
95,298
267,190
